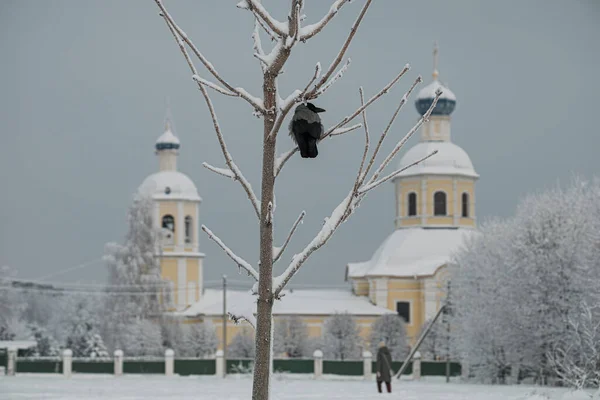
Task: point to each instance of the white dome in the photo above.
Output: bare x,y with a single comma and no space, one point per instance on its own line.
428,92
449,160
169,185
167,137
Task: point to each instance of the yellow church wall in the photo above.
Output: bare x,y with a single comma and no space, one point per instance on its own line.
168,268
192,276
361,287
189,208
412,291
463,186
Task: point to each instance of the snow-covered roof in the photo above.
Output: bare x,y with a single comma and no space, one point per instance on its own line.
296,302
428,92
169,185
410,252
449,160
167,140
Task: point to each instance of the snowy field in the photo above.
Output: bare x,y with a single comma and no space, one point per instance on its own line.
237,387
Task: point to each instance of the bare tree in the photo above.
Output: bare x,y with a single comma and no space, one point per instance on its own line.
273,109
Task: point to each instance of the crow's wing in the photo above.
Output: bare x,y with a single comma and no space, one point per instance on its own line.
312,129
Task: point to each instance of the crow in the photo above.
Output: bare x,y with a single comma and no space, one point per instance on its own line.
306,129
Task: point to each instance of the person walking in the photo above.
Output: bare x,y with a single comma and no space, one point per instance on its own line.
384,367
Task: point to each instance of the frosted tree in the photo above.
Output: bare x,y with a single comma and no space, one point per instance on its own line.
273,109
81,323
576,359
242,344
173,334
436,343
291,337
391,329
46,345
142,338
200,339
341,339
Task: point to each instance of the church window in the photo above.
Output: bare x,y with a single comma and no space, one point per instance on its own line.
188,229
168,222
465,205
412,204
439,203
403,310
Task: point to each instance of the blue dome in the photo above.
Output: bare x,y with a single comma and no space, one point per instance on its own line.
445,105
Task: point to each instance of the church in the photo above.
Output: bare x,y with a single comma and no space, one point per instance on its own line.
434,214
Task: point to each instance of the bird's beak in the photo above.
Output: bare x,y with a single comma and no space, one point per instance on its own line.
319,110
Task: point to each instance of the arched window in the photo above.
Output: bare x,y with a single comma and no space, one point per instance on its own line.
439,203
412,204
465,205
168,222
188,229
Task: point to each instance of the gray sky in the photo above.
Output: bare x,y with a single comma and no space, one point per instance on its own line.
83,95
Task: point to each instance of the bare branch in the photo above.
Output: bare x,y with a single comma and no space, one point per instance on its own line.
401,143
385,132
313,93
181,35
313,29
394,174
228,158
226,172
214,86
289,237
341,131
337,76
283,158
358,180
259,11
237,259
237,319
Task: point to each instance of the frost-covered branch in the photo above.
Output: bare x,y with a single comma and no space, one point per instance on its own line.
242,264
280,251
283,158
279,28
313,93
228,158
382,137
214,86
311,30
181,35
226,172
337,76
294,24
341,131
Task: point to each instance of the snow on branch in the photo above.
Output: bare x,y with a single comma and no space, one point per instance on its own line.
237,259
181,35
280,250
341,131
251,319
228,158
313,93
279,28
294,23
226,172
337,76
311,30
213,86
283,158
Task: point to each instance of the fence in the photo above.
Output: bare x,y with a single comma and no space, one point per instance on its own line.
169,365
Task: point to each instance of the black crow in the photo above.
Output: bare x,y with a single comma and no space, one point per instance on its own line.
306,129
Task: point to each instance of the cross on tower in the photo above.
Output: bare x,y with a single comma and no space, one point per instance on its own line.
435,61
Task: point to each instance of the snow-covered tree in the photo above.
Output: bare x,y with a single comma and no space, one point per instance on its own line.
516,285
436,343
341,339
80,325
242,344
291,337
173,335
273,109
200,339
46,345
391,329
142,338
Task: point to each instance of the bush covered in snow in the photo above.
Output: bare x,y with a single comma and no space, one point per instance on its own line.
291,337
391,329
341,339
242,344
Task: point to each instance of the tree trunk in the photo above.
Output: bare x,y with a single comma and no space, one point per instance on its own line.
262,362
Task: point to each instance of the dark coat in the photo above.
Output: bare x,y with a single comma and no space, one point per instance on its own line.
384,364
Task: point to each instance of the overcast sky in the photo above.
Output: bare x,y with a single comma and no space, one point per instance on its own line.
83,93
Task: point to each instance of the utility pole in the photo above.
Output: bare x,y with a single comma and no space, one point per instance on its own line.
224,325
447,311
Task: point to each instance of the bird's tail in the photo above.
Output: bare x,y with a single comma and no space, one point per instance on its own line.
311,151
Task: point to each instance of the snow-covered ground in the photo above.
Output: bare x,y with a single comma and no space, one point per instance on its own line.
238,387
